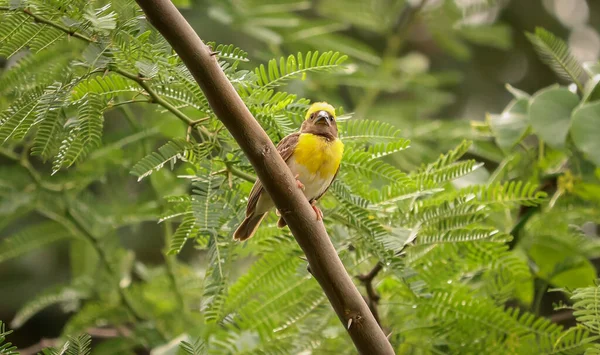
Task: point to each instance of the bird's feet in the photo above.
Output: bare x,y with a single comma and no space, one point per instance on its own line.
317,210
299,183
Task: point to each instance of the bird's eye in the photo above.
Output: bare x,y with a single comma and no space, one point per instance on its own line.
312,117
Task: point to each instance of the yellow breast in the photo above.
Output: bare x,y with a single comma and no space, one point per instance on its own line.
319,155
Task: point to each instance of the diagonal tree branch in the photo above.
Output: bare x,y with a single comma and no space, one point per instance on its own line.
276,177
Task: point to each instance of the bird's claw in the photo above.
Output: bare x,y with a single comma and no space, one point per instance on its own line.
299,183
317,210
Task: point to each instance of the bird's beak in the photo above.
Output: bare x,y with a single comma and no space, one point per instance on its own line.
322,117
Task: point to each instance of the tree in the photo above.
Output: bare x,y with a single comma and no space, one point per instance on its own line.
441,256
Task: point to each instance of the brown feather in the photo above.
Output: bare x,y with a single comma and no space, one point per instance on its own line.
285,148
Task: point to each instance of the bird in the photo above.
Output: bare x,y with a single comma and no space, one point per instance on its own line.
313,154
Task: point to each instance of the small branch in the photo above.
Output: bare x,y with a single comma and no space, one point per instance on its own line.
239,173
128,102
41,345
372,296
563,316
26,164
162,102
50,23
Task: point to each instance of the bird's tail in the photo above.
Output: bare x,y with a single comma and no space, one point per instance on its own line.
248,227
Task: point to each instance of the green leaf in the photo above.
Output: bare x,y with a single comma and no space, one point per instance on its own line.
55,295
6,348
510,125
498,36
187,229
177,149
277,72
585,130
592,87
550,114
367,131
81,345
560,266
31,238
198,347
228,51
555,53
85,133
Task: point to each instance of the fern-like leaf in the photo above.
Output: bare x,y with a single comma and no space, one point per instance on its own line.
6,348
463,235
587,307
177,149
555,53
228,51
363,164
83,135
31,238
186,230
80,345
367,131
16,121
198,347
383,149
277,72
507,193
55,295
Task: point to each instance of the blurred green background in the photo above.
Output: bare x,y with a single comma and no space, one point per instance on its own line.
470,72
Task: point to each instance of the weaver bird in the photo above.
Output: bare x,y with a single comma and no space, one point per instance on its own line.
313,155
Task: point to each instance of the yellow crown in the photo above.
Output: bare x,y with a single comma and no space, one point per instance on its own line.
320,106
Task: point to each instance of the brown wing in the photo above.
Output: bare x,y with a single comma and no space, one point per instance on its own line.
285,148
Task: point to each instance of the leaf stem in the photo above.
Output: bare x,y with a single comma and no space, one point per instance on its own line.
239,173
50,23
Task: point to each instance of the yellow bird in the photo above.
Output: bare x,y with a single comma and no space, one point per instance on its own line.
313,155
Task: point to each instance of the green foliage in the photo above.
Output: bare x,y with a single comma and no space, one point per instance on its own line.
168,153
31,238
6,347
80,345
555,52
196,348
463,246
277,72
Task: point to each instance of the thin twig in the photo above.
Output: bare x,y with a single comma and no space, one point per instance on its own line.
372,296
563,316
239,173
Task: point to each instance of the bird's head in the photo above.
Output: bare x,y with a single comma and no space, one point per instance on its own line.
320,120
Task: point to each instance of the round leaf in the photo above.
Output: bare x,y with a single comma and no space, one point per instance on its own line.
585,130
550,114
509,127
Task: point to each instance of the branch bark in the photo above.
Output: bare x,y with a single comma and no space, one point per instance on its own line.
276,177
372,296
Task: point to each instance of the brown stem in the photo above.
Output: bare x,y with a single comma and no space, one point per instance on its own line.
372,296
276,177
562,317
